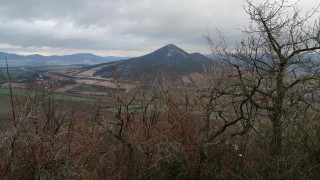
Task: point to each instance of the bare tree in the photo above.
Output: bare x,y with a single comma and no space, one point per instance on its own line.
276,65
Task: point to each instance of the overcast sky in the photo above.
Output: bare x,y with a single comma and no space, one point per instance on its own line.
117,27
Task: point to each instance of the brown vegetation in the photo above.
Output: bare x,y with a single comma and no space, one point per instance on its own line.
153,133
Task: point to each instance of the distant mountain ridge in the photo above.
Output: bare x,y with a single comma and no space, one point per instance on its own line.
169,59
40,60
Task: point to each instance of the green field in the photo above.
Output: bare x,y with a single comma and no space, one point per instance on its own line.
5,101
4,93
14,73
88,88
57,69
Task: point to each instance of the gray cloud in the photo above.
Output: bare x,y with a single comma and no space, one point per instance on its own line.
116,27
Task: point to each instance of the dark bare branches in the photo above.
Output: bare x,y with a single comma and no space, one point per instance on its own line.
275,61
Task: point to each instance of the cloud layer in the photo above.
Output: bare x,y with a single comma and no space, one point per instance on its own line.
115,27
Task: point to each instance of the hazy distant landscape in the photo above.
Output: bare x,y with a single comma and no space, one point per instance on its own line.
82,76
39,60
77,70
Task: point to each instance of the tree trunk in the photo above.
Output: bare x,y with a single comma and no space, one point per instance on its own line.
277,116
276,142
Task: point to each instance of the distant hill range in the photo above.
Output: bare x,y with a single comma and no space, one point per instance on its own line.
40,60
169,60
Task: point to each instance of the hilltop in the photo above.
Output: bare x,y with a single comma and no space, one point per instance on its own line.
170,60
